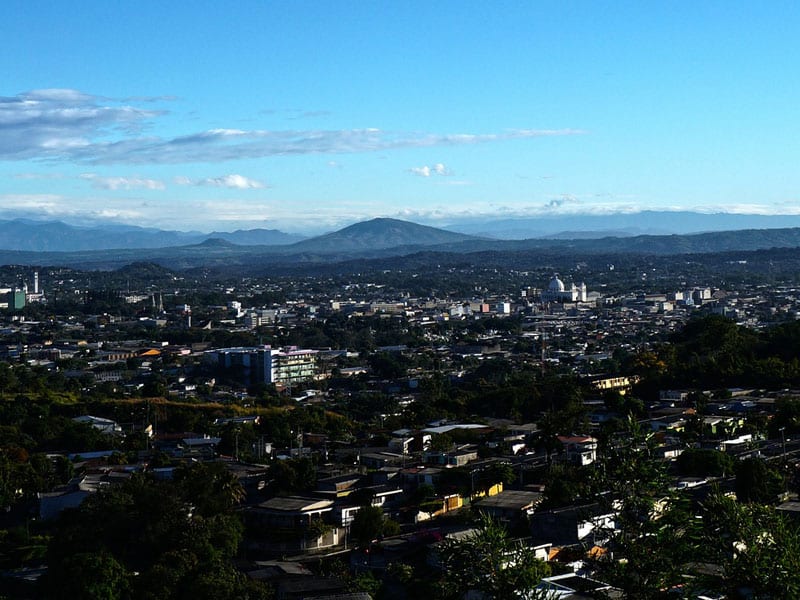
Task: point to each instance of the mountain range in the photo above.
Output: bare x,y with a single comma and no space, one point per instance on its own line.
374,239
646,222
55,236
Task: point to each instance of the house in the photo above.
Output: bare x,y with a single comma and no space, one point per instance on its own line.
53,503
205,446
290,524
457,458
439,506
621,384
668,422
338,485
572,525
102,425
579,449
310,587
509,505
379,460
401,445
290,512
254,478
571,585
415,476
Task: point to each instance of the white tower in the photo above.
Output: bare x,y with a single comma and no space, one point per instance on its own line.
36,282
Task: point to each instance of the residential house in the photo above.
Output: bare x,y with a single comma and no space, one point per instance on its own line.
572,525
579,449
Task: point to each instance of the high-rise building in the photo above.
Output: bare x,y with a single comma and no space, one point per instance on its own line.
265,364
16,298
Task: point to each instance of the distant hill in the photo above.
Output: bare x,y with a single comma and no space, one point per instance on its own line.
386,238
55,236
257,237
589,235
216,243
646,222
377,234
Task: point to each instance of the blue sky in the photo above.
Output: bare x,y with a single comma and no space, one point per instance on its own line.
305,116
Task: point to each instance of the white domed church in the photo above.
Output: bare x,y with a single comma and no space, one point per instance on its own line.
556,291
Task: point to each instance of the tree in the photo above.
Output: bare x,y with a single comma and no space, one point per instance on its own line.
500,472
564,484
424,491
649,543
179,546
366,582
704,462
209,487
490,562
442,442
787,416
294,475
757,482
94,576
387,365
367,524
757,549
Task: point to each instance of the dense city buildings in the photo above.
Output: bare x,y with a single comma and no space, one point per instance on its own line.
355,411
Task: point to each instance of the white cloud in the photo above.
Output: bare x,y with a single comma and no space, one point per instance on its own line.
69,125
239,182
421,171
563,199
58,123
426,171
779,208
122,183
111,214
75,210
39,202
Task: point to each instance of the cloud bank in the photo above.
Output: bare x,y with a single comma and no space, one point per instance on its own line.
69,125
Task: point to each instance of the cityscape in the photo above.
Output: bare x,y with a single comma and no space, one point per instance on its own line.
371,426
382,301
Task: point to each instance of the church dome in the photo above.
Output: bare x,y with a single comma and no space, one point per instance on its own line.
556,285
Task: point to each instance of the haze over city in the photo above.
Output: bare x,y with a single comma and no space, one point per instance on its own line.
308,116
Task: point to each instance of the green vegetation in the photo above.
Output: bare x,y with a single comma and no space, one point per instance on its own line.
151,539
490,562
714,352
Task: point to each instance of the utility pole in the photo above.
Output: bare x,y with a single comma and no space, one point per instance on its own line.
783,441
